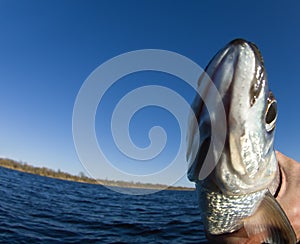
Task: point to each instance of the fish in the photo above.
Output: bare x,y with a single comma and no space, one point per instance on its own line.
238,183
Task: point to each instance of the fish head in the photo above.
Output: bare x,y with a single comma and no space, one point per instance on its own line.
238,190
247,162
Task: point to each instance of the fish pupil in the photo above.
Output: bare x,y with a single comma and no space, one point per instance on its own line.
271,115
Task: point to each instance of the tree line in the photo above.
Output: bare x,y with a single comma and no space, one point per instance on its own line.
43,171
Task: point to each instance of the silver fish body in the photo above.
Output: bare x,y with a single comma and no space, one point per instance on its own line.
246,174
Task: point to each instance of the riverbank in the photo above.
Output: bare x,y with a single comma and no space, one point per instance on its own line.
43,171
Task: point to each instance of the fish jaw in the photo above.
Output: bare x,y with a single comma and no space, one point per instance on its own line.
247,162
247,168
252,165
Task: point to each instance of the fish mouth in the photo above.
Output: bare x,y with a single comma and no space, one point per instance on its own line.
257,52
240,44
245,61
244,43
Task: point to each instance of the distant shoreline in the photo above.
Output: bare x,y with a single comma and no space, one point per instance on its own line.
43,171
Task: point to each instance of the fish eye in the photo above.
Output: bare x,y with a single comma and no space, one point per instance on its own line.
271,115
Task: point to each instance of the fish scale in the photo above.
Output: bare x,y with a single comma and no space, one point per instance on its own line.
224,210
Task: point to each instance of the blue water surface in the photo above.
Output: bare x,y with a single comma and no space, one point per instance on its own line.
35,209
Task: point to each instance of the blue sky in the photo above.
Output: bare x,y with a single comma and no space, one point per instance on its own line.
49,48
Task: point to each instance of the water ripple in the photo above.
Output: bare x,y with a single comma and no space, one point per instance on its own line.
36,209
